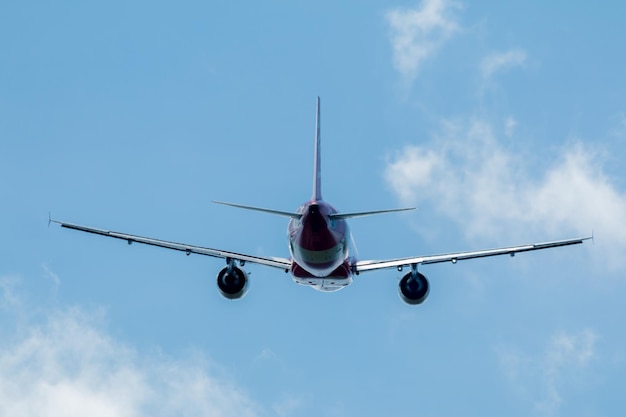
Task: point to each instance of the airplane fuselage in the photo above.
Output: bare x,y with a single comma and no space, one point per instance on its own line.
319,247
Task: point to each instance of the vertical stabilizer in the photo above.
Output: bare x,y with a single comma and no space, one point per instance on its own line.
317,172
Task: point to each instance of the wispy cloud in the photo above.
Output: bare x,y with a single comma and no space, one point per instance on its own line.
52,276
542,377
510,124
288,406
564,351
9,301
70,366
418,33
500,61
468,176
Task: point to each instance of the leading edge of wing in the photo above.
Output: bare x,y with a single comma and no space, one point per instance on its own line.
280,263
362,266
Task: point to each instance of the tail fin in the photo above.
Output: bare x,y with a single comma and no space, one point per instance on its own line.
317,171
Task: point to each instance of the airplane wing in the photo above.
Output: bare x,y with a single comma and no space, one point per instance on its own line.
362,266
280,263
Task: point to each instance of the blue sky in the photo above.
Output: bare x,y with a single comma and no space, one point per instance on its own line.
504,124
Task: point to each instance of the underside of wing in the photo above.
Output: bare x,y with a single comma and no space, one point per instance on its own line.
371,265
280,263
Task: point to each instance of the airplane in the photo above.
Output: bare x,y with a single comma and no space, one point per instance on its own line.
319,249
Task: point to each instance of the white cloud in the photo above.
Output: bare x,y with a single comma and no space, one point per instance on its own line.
493,192
70,366
502,60
543,378
417,33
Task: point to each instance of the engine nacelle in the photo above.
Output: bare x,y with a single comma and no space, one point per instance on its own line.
413,290
233,284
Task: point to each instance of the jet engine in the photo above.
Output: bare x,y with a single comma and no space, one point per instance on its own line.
232,282
413,289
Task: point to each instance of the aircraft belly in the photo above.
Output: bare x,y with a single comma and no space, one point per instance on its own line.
337,279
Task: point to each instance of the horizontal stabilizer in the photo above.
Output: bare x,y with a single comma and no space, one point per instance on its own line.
367,213
264,210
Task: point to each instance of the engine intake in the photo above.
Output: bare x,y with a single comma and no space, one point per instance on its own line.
233,284
413,290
